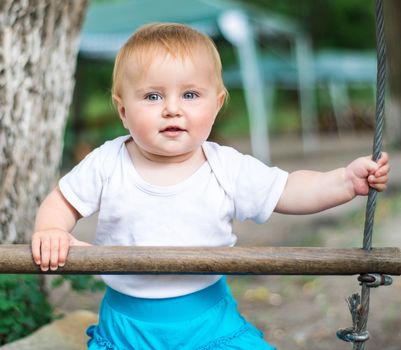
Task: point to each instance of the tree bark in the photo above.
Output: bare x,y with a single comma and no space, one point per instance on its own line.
38,49
392,10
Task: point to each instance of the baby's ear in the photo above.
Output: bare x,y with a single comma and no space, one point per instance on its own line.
118,102
222,98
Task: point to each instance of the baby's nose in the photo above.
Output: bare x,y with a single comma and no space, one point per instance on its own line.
172,108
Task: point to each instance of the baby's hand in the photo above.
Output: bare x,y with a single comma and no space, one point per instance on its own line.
365,173
50,248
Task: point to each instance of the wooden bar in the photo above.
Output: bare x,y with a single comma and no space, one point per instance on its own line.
16,259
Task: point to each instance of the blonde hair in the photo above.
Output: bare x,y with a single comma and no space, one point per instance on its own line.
178,40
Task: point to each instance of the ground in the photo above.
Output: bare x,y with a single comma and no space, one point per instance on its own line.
303,312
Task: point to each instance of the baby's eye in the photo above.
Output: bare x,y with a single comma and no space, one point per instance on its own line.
190,95
153,97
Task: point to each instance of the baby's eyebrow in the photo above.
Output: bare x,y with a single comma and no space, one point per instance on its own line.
194,87
148,89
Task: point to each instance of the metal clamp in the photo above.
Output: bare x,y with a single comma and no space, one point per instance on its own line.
350,336
374,280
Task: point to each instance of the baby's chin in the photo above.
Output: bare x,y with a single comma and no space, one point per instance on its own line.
176,156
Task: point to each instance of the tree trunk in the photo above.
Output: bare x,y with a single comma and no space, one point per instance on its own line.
38,49
392,10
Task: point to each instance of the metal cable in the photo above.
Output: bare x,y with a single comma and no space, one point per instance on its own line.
378,135
361,325
359,305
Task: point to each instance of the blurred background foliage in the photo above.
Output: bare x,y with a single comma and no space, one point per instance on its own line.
346,24
332,24
20,295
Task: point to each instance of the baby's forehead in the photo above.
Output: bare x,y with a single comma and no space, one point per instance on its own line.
140,62
147,56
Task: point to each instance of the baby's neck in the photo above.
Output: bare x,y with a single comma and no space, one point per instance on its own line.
165,171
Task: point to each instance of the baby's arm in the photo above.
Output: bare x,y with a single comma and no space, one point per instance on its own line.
308,192
51,240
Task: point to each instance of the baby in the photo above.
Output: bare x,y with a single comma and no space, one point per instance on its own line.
165,185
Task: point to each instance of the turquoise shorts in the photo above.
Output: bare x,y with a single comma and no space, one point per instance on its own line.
204,320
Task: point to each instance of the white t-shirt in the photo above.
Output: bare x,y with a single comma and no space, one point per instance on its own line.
196,212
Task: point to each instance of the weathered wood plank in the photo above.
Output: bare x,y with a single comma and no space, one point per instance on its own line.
207,260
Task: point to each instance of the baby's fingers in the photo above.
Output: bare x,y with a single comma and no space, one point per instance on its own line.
383,159
45,249
379,187
54,253
382,170
63,251
378,183
36,249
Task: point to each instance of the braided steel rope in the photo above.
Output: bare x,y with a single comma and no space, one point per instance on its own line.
361,326
359,305
378,135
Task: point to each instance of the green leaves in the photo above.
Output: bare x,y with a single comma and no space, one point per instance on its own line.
23,306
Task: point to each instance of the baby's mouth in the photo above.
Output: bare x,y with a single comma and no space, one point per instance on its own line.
172,129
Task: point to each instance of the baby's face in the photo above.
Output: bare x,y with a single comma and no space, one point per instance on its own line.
170,107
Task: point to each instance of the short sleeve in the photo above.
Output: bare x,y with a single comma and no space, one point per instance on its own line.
258,189
82,186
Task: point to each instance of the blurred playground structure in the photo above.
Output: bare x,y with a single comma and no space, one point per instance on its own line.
258,70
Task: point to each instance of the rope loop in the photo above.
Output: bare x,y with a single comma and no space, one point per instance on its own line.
350,336
354,334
